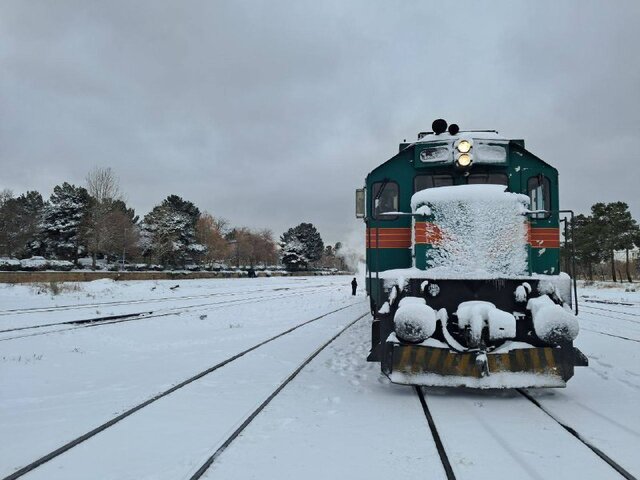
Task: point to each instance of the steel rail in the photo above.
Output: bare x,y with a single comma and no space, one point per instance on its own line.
611,335
446,464
82,438
612,463
80,306
101,321
631,314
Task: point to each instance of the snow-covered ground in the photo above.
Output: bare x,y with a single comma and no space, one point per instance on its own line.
338,418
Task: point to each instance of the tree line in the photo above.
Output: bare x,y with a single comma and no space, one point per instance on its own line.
608,229
94,221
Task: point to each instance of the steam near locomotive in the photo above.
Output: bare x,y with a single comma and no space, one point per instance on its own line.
463,264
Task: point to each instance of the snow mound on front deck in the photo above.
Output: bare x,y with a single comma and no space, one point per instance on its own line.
414,321
475,314
482,231
551,322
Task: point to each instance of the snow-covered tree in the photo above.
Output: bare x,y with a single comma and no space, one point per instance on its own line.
292,254
615,229
303,240
20,219
64,218
169,232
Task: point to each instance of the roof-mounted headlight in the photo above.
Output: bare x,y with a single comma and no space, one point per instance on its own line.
463,146
464,160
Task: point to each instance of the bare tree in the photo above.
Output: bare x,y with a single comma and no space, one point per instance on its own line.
104,188
123,236
103,185
210,233
251,247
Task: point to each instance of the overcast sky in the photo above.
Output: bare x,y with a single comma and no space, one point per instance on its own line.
271,113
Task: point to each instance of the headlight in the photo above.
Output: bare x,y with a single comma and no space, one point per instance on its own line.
464,146
464,160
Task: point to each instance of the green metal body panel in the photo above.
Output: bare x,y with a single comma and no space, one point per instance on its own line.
402,169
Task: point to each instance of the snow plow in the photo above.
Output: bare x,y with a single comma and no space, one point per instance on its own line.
423,346
463,240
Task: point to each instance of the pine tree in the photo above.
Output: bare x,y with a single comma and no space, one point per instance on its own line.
64,218
302,244
169,232
292,254
615,229
588,248
20,218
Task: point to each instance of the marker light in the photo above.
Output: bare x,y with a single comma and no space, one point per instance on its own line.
464,146
464,160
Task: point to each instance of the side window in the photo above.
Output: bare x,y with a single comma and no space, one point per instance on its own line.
422,182
490,178
384,199
539,189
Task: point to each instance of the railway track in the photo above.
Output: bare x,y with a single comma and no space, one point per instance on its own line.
611,335
630,314
114,319
610,302
101,428
612,463
444,458
211,459
82,306
57,308
65,308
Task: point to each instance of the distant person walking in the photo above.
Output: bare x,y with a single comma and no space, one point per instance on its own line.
354,285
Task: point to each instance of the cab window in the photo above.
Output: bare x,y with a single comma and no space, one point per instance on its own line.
539,189
490,178
422,182
384,199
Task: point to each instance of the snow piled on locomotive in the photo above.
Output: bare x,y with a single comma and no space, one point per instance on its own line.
479,317
481,231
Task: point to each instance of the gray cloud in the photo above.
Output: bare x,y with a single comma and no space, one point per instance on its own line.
271,113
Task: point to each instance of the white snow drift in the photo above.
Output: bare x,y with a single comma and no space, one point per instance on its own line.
551,322
476,314
482,228
414,320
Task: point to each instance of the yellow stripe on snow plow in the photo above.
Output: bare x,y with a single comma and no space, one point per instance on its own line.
519,368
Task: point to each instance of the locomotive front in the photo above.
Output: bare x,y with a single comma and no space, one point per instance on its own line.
463,265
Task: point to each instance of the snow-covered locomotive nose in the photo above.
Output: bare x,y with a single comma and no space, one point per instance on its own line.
466,266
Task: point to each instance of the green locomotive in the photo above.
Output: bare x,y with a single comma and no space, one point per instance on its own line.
463,264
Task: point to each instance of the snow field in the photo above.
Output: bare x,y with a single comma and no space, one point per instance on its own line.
172,437
70,382
340,418
601,401
215,302
106,298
